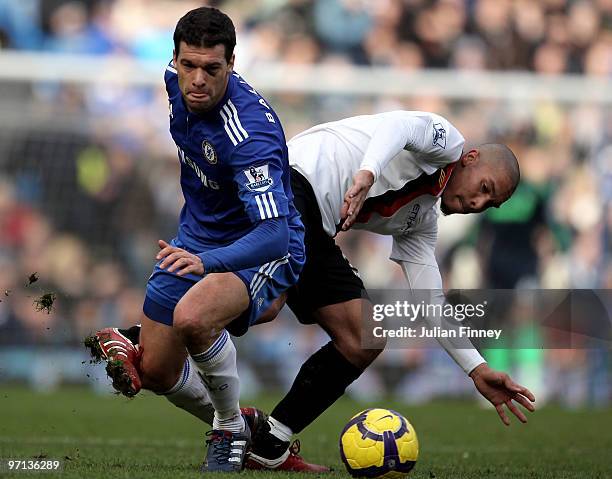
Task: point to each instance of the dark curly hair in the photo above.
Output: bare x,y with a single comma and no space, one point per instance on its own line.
206,27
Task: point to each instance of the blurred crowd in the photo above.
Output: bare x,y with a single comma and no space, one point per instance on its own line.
547,36
88,176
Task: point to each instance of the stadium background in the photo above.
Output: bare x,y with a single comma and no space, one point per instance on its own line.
88,170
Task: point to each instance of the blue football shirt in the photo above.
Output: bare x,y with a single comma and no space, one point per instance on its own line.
234,166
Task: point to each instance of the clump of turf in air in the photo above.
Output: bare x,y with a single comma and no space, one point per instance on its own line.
45,302
92,343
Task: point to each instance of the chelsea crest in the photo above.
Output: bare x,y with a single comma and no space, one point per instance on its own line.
209,152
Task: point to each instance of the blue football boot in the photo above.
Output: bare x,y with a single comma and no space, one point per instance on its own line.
227,451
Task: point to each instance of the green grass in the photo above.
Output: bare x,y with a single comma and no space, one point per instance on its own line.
113,437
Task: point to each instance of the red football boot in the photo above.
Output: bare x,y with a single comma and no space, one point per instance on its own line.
255,418
122,357
291,461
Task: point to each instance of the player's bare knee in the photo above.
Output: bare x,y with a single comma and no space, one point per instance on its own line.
190,321
184,320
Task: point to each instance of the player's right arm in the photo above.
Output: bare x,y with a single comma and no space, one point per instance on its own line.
433,140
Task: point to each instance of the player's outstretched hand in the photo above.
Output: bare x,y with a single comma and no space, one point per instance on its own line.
355,196
179,260
500,389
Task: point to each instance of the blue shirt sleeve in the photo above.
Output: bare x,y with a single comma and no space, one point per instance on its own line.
258,168
268,241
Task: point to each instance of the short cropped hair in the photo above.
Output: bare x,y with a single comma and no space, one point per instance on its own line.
206,27
504,158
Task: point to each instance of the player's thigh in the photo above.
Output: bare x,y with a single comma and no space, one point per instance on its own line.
343,321
211,304
163,355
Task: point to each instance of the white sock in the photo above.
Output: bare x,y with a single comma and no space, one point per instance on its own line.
217,366
190,394
279,430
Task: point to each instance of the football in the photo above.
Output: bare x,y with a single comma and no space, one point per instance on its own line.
379,443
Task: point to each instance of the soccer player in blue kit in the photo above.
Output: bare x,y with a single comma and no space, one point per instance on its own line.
240,240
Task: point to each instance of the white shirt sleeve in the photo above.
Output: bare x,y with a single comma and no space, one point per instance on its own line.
432,139
422,273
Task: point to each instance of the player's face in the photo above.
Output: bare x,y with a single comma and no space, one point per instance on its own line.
474,186
202,75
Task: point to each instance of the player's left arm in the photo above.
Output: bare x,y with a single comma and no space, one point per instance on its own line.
415,254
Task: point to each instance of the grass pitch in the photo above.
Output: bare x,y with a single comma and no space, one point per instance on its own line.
113,437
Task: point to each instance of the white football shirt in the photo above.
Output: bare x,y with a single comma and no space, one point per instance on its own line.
412,155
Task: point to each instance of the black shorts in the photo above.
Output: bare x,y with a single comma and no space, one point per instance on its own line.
327,277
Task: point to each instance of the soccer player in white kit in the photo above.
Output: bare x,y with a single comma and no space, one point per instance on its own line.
385,173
